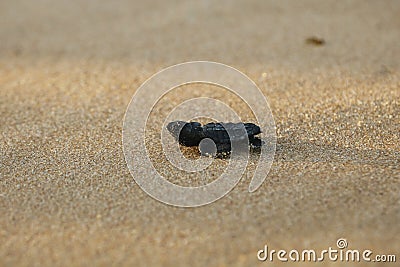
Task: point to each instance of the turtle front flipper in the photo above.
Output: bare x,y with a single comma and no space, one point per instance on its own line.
209,148
255,142
223,150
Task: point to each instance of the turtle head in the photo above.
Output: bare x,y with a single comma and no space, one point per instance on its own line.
176,127
187,133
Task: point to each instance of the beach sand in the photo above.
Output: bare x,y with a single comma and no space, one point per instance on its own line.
69,69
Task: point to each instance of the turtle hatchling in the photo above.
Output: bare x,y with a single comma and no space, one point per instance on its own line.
223,135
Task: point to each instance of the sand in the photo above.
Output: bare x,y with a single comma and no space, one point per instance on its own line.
68,71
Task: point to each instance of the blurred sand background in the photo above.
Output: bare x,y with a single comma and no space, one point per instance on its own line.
69,68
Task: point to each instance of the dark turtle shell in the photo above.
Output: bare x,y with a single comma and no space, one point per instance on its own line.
224,133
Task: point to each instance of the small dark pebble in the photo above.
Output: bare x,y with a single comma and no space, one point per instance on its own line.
316,41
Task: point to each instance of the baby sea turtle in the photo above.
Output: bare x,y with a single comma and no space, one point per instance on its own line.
195,134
